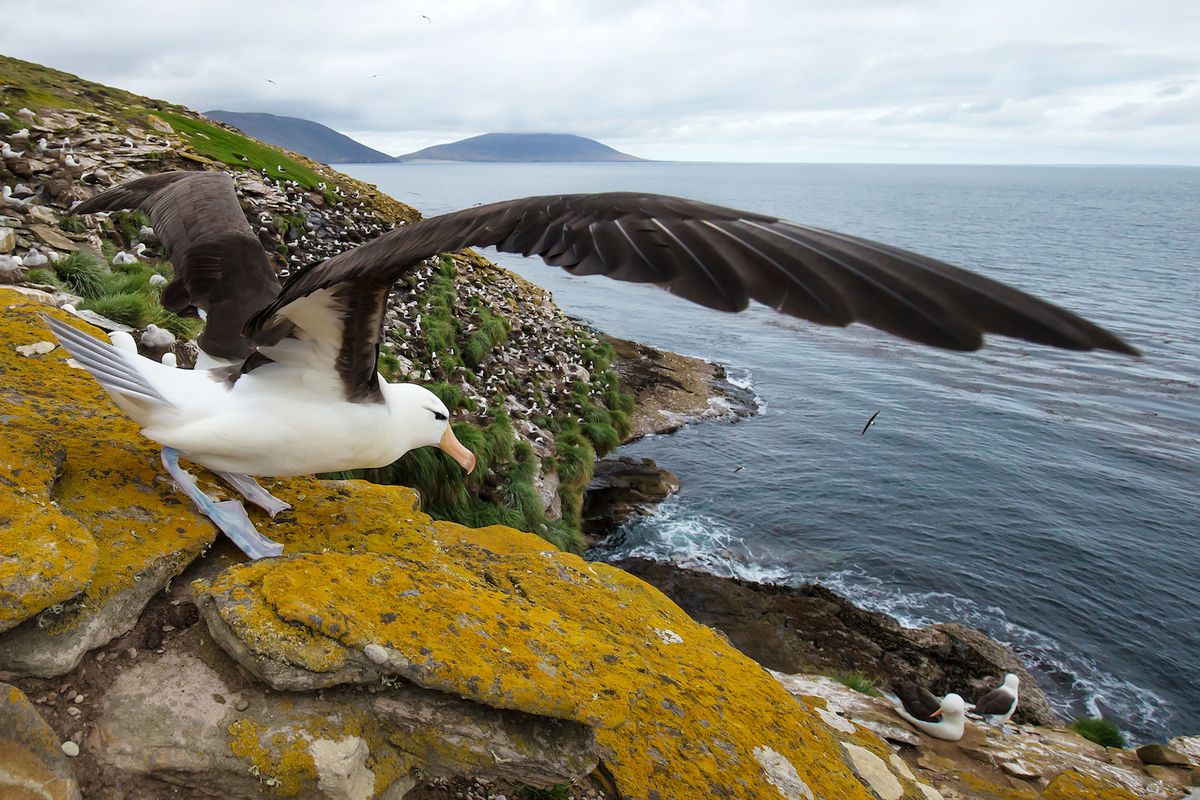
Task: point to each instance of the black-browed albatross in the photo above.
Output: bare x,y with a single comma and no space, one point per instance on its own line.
291,386
998,705
921,708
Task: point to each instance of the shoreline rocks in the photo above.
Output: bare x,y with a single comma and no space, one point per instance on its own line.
812,629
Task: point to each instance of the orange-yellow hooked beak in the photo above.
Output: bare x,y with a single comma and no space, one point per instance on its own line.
452,447
937,713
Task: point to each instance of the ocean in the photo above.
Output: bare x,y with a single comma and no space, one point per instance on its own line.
1048,498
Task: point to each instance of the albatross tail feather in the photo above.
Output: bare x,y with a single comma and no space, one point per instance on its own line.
107,364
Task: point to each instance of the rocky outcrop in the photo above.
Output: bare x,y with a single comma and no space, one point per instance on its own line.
623,488
485,648
673,390
1024,761
811,628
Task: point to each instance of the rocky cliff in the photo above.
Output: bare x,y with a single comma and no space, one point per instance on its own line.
382,650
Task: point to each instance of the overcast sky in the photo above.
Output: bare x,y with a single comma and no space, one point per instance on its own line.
1005,81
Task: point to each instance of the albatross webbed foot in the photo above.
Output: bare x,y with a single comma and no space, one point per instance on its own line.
228,515
249,489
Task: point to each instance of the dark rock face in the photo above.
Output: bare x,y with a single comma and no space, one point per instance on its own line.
622,488
811,629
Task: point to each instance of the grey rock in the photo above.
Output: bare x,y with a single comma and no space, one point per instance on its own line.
29,649
169,719
8,240
1161,755
31,761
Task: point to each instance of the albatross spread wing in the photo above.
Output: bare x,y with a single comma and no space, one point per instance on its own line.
220,266
718,257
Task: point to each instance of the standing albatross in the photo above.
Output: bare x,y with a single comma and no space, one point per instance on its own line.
293,387
998,705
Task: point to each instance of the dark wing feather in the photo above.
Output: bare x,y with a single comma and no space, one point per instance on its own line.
721,258
995,702
918,701
220,266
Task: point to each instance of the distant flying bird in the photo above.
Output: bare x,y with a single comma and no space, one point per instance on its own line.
376,75
427,19
872,419
273,83
739,469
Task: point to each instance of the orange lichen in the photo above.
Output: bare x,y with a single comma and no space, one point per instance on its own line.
514,625
108,479
1072,785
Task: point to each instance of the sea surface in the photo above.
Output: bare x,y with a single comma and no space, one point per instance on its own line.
1049,498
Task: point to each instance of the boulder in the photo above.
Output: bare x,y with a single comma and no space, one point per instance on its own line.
1162,755
621,489
81,491
8,239
175,718
32,764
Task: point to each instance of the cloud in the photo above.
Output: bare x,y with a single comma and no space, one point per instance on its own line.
864,80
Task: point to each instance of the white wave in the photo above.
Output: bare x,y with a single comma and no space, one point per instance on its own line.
742,378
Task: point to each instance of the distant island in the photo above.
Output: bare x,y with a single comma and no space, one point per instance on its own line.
303,136
521,147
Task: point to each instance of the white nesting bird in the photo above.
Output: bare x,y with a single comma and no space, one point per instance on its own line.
146,232
21,135
26,114
158,281
71,161
123,259
998,705
4,117
7,152
155,337
294,389
123,341
35,259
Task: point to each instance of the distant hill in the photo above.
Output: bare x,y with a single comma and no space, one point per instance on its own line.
301,136
520,147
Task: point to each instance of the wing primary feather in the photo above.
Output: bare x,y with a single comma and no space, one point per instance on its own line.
636,249
697,260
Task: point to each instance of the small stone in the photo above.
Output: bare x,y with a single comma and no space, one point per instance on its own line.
70,748
376,653
242,704
131,652
168,628
78,698
73,711
1019,769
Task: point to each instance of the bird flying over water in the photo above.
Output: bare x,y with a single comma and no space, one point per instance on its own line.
288,384
872,419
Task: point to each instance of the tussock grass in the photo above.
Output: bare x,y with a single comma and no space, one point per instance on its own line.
123,293
82,274
1100,731
46,277
858,681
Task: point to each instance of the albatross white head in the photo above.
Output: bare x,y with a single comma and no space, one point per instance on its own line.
423,420
953,709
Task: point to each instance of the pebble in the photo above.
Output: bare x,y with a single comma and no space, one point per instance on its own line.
131,652
78,698
242,704
73,711
376,653
70,748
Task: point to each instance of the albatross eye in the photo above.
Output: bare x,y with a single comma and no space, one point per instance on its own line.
439,416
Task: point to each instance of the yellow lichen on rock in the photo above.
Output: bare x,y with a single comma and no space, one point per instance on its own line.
1072,785
46,557
495,616
112,517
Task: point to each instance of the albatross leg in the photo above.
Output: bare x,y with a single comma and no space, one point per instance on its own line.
228,515
249,489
